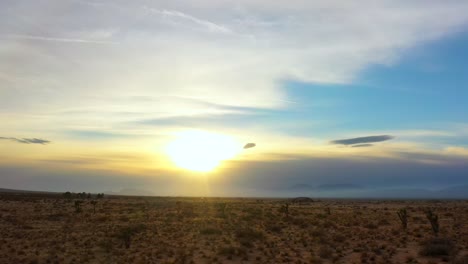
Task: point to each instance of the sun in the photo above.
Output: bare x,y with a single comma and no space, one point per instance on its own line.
201,151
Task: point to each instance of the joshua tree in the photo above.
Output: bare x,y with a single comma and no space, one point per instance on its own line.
67,195
328,211
222,209
434,220
179,207
285,209
403,215
78,206
94,202
128,232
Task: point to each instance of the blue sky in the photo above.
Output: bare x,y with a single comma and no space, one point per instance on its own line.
426,89
109,85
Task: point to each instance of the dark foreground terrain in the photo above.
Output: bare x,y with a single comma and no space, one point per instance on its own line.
52,228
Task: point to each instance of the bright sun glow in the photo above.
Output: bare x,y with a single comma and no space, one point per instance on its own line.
201,151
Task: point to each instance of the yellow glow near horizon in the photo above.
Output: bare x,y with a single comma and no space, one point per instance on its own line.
201,151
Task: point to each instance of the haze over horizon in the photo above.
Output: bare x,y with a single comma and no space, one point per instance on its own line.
162,96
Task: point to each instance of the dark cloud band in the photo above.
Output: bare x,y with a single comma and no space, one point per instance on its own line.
362,140
362,145
27,140
249,145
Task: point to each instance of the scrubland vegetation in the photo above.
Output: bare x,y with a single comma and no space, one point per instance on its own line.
46,228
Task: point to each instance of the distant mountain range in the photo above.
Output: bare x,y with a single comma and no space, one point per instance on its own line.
4,190
125,191
131,192
325,191
326,187
358,191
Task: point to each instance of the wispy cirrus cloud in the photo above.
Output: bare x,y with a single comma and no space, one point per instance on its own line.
55,39
184,49
27,140
177,15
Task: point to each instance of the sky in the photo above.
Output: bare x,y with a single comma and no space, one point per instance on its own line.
161,96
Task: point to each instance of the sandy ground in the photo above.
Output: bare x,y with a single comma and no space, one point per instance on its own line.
44,228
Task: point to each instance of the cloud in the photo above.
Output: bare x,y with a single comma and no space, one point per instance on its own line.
223,53
94,134
362,145
249,145
359,140
201,22
45,38
460,151
27,140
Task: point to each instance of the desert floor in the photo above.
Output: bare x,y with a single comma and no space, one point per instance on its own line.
48,228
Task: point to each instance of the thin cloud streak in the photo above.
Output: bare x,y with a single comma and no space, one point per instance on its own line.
55,39
202,22
362,145
359,140
27,140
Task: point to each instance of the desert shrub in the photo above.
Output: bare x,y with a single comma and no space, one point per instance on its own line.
274,228
67,195
94,202
300,222
383,222
101,218
56,217
328,224
461,260
221,208
231,251
315,260
124,218
411,259
321,216
325,252
210,231
128,232
78,206
317,232
249,233
106,245
284,209
438,247
371,226
339,238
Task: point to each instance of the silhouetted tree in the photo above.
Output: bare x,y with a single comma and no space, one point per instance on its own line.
78,206
67,195
179,207
403,215
285,209
434,220
222,209
126,233
94,202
